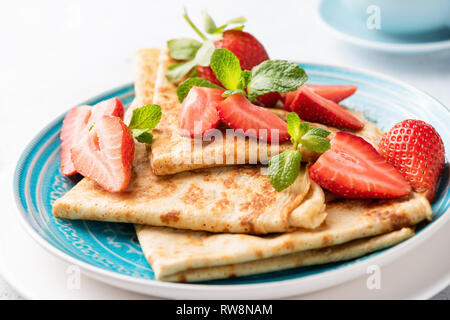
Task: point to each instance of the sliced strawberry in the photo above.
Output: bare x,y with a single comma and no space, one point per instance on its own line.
78,121
335,93
198,112
269,99
75,125
288,97
312,107
239,113
111,107
352,168
105,154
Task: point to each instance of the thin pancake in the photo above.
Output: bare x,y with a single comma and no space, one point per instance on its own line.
171,251
223,199
343,252
172,153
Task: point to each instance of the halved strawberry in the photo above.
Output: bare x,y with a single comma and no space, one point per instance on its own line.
312,107
238,112
105,154
76,124
198,111
111,107
352,168
335,93
415,148
269,99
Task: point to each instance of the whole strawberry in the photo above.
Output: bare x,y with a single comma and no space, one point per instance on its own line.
245,47
417,151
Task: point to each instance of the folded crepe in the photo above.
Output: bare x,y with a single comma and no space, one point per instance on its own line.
172,152
347,251
223,199
181,255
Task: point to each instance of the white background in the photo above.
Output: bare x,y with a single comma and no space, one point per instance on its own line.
56,54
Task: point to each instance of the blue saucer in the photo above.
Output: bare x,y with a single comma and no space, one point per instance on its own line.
353,30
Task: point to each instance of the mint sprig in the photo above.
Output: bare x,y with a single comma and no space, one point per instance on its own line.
143,120
269,76
285,167
275,76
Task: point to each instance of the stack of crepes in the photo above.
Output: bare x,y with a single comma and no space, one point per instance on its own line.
211,212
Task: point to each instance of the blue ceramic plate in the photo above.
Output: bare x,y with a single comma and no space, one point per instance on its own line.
110,252
337,18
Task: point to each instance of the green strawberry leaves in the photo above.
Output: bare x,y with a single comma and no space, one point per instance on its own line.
183,49
202,57
284,167
275,76
143,120
211,28
184,88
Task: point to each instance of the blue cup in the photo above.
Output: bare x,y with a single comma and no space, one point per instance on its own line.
403,16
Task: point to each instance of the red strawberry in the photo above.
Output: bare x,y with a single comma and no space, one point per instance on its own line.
417,151
269,99
75,125
112,107
336,93
105,154
239,113
352,168
78,121
198,111
312,107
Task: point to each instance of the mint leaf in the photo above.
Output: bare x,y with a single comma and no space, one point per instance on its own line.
176,72
245,78
203,56
284,169
145,137
210,26
226,67
275,76
293,126
143,120
184,87
319,132
183,49
228,93
315,143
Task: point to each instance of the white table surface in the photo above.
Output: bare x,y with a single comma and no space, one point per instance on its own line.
56,54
